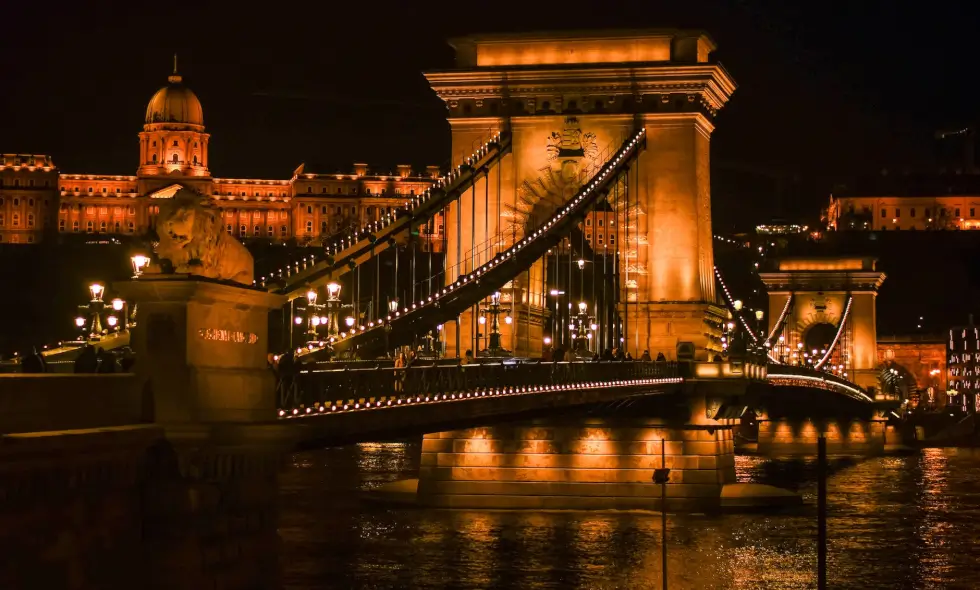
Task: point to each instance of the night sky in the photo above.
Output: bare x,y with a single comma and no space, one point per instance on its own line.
826,89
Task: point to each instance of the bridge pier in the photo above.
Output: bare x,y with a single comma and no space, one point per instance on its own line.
845,435
603,462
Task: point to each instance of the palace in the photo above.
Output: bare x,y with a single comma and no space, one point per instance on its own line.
37,200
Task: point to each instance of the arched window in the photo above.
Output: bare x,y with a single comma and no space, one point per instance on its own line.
116,227
154,158
270,232
228,227
242,230
102,227
176,159
74,226
195,160
30,220
256,231
132,227
16,219
282,231
90,226
323,227
61,225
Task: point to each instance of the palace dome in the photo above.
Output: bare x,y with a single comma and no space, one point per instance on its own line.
175,103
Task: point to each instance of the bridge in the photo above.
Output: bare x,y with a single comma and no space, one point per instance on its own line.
578,208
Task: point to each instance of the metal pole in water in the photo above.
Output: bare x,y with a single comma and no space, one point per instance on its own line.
662,476
821,512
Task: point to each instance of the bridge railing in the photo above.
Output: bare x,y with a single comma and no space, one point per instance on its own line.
790,375
347,388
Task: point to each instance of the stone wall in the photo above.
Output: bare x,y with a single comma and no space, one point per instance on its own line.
576,464
45,402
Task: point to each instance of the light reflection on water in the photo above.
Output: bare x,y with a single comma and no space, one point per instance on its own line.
895,523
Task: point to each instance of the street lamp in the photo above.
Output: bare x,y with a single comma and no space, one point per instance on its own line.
333,309
93,310
493,310
96,289
349,320
140,262
392,308
759,314
737,304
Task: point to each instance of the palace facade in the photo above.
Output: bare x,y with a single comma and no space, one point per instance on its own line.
907,202
37,200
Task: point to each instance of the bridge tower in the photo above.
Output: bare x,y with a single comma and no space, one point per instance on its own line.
569,100
826,304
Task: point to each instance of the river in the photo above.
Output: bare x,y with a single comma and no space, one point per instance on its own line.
894,523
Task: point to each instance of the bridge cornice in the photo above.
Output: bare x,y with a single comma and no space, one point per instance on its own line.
852,282
711,81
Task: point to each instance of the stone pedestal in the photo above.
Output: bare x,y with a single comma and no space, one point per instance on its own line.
588,463
659,326
845,436
201,349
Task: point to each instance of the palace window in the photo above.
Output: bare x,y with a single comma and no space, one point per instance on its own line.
154,158
927,213
74,226
972,211
15,220
117,227
912,212
30,220
309,227
154,144
117,210
367,191
588,222
270,232
884,213
118,191
309,208
588,237
61,225
16,182
353,210
309,189
89,226
104,191
898,212
132,227
132,210
195,160
176,159
282,231
340,210
323,227
942,212
256,231
957,212
30,202
242,230
16,202
323,210
103,210
600,239
324,190
228,229
612,239
1,219
102,227
175,143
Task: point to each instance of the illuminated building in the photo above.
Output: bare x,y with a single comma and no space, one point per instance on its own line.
908,202
173,151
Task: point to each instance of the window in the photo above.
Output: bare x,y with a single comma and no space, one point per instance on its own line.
16,182
132,227
309,227
228,229
15,220
324,191
117,227
323,227
104,190
323,210
588,237
600,223
195,160
270,232
74,226
353,210
175,143
884,213
30,202
154,158
89,226
118,191
599,237
588,222
898,212
256,231
16,202
282,231
30,220
972,212
309,208
154,144
612,239
1,219
61,225
912,212
927,213
176,160
957,212
309,189
242,230
102,227
104,210
884,228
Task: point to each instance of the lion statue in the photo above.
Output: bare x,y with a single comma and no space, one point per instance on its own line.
194,241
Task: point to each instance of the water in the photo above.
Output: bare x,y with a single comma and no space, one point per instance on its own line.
894,523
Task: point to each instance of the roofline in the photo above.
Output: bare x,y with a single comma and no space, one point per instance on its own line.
581,34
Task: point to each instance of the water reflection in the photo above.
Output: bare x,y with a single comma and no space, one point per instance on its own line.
895,523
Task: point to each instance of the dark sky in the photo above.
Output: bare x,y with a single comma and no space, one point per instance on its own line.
826,89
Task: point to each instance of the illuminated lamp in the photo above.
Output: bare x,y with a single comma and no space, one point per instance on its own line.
80,322
117,304
96,290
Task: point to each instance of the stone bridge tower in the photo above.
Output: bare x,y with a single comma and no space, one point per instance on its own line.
569,100
810,297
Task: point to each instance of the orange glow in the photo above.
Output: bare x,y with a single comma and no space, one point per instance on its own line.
816,264
572,51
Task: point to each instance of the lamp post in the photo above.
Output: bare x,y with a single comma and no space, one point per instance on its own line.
494,310
759,314
313,317
94,310
584,327
662,476
333,309
392,308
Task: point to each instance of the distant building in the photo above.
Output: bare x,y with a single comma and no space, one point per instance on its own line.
36,199
907,202
781,229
